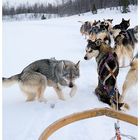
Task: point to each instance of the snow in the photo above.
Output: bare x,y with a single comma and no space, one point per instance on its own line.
28,16
27,41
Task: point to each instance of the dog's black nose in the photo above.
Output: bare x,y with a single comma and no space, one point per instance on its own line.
71,85
85,57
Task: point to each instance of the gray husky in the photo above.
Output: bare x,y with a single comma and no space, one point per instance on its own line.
46,72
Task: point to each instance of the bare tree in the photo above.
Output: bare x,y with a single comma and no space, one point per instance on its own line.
67,7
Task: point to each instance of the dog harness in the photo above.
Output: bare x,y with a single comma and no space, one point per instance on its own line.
103,63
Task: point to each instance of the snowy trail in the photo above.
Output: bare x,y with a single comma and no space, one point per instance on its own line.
27,41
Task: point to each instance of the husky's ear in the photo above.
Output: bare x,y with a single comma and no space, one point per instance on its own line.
111,20
136,29
77,64
128,20
122,19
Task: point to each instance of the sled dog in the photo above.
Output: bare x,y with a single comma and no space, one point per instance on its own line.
125,44
120,27
100,32
85,28
107,69
34,78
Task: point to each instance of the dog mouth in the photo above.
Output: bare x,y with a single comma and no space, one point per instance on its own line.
70,83
87,58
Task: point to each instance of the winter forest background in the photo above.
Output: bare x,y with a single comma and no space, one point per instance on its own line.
62,8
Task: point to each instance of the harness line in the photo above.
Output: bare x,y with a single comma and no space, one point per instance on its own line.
130,62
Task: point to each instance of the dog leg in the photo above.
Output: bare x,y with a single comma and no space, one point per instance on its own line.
73,91
123,61
40,95
123,92
59,92
30,97
42,99
130,80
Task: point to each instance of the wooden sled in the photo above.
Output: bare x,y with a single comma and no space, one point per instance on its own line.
84,115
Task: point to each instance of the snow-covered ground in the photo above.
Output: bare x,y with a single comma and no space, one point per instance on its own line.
30,16
27,41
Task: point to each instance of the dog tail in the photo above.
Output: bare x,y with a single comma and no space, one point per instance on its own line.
6,82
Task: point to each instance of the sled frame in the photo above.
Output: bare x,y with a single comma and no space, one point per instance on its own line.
85,115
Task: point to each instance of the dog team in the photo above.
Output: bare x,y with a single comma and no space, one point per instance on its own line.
110,58
34,78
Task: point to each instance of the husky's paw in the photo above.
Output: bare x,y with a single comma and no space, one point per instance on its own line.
72,94
30,99
125,107
42,100
73,91
62,98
